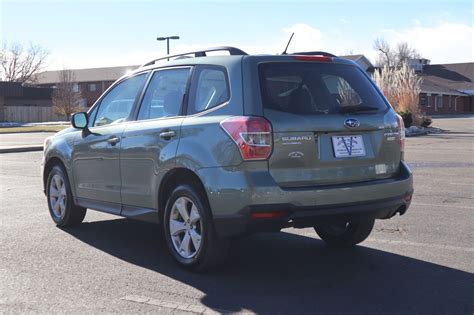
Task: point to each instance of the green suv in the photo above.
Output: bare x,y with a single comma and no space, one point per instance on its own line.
215,147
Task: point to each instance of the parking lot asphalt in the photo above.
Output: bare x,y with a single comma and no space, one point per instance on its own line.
422,262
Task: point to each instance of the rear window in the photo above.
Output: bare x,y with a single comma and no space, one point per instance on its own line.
317,88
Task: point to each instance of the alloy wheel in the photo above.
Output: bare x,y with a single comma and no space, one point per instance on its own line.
185,227
57,196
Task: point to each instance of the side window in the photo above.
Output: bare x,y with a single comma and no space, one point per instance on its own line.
164,95
211,89
116,106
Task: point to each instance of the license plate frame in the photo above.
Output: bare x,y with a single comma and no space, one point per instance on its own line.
346,146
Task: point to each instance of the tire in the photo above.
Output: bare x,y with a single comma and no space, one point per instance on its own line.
61,205
191,236
345,233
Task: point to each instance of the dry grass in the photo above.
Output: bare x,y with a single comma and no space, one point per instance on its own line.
401,86
53,128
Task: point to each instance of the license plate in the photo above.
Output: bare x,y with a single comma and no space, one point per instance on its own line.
347,146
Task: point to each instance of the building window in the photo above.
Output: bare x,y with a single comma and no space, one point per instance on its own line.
439,101
92,87
75,87
423,100
428,100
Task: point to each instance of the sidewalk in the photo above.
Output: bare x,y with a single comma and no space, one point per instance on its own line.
23,142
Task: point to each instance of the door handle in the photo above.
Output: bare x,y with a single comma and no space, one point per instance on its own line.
167,134
113,140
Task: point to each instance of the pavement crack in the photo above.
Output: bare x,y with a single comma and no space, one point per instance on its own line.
388,230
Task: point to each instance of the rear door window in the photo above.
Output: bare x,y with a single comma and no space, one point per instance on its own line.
317,88
165,94
209,89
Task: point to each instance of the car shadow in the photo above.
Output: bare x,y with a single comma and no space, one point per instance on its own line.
288,273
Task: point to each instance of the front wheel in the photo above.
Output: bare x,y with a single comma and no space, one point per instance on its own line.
345,233
61,206
189,230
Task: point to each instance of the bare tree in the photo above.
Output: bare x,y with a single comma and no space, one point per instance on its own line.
385,53
19,64
393,57
404,52
66,100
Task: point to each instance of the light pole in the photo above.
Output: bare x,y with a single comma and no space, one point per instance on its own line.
167,42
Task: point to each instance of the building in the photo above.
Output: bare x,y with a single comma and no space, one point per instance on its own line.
90,82
26,104
446,88
362,61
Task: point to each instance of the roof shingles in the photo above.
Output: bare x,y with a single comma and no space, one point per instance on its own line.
449,78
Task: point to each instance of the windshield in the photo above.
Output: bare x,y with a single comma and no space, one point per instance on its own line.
317,88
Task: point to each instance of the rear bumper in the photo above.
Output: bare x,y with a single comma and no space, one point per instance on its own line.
302,217
234,197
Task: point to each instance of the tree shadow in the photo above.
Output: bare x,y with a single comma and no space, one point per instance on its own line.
287,273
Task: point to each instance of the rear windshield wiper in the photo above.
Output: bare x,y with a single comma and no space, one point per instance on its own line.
358,108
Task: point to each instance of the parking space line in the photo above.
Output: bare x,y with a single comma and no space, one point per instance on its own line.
465,184
442,205
437,246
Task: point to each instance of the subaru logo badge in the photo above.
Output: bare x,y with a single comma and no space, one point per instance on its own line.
351,123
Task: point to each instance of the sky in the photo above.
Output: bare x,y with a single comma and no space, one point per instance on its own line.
100,33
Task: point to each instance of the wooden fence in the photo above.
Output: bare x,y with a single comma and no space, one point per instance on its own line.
28,114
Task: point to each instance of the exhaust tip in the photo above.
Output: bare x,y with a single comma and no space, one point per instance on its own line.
402,210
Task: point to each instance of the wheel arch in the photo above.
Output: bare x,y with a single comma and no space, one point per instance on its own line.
48,166
174,178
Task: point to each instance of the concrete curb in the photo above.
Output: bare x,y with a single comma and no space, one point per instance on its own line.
21,149
452,116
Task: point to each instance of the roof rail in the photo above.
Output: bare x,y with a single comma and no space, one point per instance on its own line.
309,53
200,53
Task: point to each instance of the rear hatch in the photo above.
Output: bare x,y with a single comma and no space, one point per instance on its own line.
330,124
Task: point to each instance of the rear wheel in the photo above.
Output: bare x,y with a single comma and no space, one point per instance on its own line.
345,233
61,206
189,230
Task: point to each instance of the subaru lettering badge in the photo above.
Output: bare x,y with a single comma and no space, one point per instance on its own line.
351,123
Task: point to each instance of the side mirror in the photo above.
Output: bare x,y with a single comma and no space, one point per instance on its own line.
80,120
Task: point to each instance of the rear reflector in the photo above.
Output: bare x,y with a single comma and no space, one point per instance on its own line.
269,215
401,130
253,136
313,58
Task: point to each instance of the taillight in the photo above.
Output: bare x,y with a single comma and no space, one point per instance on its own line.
313,58
401,130
253,136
